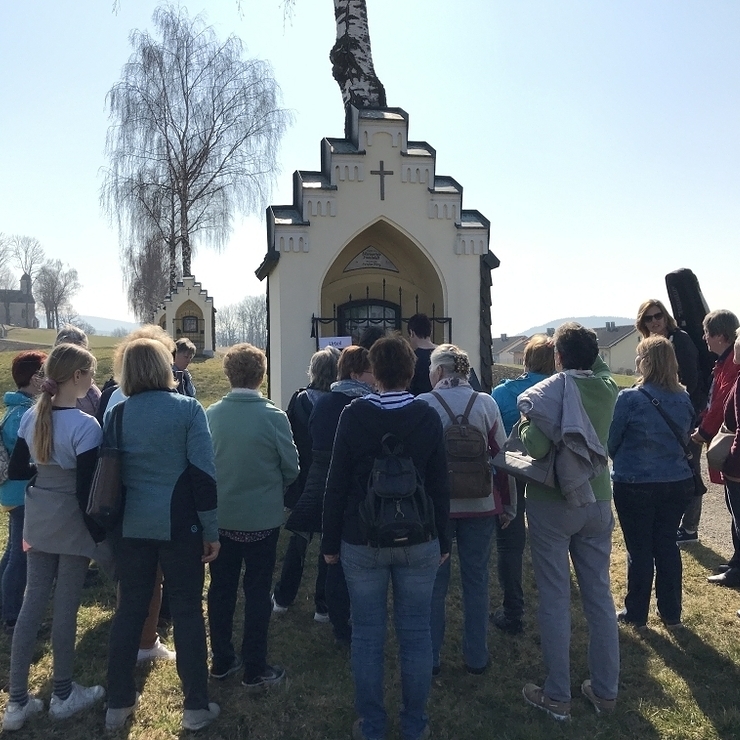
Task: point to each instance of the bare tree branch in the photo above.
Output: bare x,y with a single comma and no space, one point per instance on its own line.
28,255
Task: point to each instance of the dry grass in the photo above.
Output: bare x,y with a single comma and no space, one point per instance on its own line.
673,685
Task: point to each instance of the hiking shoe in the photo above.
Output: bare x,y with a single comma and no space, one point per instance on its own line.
16,714
321,617
157,652
622,618
684,537
221,672
197,719
273,676
506,624
671,624
116,718
602,706
276,608
80,699
534,695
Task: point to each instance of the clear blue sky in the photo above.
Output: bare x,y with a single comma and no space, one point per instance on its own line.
599,138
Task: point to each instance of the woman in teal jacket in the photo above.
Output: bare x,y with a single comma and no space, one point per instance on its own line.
256,460
26,371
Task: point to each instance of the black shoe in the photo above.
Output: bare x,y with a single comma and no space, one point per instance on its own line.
222,672
476,671
723,568
730,578
273,676
506,624
686,538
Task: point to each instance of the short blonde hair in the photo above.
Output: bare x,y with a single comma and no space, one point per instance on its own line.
245,366
147,331
658,364
146,366
71,334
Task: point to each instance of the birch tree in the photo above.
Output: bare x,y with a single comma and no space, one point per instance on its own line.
194,137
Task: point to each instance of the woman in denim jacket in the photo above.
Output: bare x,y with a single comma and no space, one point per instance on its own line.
653,481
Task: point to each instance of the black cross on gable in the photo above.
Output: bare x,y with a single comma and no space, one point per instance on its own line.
188,289
382,172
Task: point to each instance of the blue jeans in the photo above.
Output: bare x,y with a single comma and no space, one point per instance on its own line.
649,514
13,567
473,536
559,533
412,571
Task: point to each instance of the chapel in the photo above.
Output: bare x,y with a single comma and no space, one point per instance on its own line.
18,307
188,312
371,238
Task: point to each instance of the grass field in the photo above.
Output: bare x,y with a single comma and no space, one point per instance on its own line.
680,685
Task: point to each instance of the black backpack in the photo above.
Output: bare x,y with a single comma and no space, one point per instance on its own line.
396,511
468,459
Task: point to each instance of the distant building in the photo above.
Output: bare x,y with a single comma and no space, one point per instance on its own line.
188,312
18,307
617,346
504,347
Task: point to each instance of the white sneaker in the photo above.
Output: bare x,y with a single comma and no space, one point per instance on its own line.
197,719
15,714
276,608
157,652
321,617
116,718
81,698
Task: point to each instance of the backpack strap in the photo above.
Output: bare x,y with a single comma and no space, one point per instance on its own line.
446,407
469,407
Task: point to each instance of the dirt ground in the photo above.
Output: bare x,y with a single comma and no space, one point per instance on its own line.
714,526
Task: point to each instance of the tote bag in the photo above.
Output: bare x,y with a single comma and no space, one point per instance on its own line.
105,503
515,460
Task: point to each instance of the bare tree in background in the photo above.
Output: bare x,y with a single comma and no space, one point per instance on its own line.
28,255
149,278
7,283
245,321
194,138
55,287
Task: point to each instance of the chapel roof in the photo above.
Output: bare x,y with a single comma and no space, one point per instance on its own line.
444,184
473,219
342,146
15,296
287,216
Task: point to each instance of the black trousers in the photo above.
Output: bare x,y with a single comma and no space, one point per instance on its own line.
291,574
258,559
510,544
136,565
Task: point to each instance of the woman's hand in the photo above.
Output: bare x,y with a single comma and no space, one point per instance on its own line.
210,551
331,559
504,520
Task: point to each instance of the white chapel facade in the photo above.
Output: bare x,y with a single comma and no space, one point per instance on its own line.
372,238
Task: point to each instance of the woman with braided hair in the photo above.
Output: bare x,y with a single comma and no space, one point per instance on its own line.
472,519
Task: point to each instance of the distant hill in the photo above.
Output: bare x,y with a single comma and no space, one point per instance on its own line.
108,326
592,322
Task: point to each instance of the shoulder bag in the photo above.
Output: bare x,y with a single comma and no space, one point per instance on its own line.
719,448
514,459
699,488
105,503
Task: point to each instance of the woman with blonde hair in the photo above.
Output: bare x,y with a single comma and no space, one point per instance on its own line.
169,520
653,481
71,334
62,441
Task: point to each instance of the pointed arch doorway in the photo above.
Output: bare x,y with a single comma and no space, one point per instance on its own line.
381,278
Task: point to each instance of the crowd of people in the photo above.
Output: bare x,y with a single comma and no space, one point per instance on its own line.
387,459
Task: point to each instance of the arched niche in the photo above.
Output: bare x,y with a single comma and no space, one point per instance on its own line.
394,272
190,324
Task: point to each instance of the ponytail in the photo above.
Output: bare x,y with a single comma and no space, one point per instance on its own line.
42,430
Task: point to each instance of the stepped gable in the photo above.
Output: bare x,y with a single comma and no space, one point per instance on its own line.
189,286
345,160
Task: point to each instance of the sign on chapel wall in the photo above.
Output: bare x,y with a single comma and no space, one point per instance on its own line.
372,258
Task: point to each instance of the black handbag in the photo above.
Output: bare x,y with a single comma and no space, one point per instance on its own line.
105,503
699,488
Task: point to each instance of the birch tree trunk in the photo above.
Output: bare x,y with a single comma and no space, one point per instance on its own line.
352,58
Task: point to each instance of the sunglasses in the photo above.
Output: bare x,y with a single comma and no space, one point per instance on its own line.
654,317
